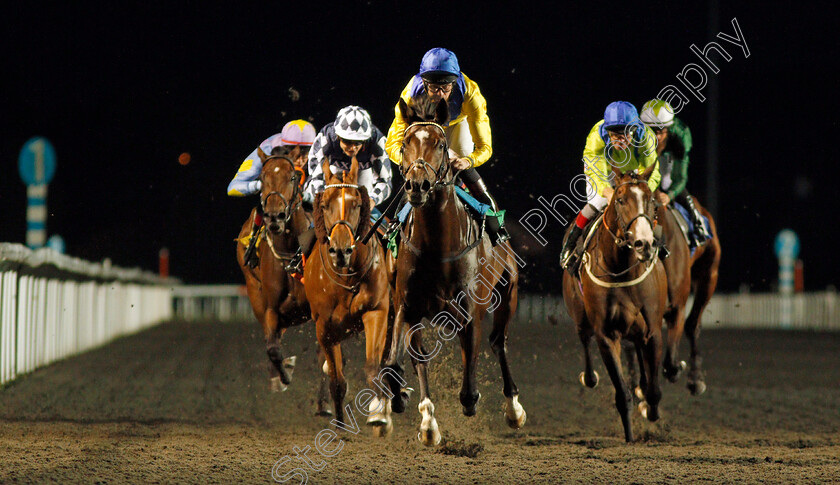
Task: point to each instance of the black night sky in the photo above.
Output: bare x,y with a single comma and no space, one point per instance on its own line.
122,89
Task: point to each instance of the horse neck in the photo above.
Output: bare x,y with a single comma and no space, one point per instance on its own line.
437,219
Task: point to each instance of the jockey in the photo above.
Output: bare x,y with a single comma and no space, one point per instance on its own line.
673,144
246,181
624,142
468,131
352,134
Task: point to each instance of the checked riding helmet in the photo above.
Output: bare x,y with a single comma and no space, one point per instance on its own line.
657,113
353,123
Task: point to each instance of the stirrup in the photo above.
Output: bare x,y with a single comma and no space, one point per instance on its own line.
501,236
250,256
295,264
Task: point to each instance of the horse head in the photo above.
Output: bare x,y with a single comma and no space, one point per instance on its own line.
342,213
280,194
425,157
632,203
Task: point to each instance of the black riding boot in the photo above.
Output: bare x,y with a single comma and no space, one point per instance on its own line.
568,259
701,235
250,257
659,240
306,240
478,189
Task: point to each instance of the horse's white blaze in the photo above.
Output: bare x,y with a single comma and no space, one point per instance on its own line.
422,135
641,227
276,169
429,431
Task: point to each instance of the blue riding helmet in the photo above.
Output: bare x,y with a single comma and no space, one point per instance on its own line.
620,114
440,65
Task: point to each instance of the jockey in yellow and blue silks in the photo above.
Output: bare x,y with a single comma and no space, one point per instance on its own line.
468,131
620,140
673,144
247,179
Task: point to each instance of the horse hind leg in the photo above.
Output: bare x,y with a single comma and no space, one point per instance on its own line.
470,336
281,368
589,377
675,321
515,415
704,288
429,433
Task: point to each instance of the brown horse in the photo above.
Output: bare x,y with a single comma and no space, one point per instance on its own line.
278,300
447,272
622,293
348,291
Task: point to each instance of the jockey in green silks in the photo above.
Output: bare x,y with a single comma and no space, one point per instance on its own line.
673,144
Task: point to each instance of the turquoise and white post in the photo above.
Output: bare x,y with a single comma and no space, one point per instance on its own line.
787,249
37,167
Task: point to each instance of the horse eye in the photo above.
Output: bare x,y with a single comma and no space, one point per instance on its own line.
619,200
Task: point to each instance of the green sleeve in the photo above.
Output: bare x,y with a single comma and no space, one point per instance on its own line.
680,139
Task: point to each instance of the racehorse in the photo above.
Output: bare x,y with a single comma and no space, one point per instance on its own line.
347,288
447,271
277,299
622,293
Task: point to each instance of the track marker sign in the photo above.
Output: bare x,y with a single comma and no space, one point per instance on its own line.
36,163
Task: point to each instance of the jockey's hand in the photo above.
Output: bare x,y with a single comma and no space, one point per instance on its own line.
462,163
663,198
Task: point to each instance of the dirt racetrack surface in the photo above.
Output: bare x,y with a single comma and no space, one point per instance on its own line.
189,403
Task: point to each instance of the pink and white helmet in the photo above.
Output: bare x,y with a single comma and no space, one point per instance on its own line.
298,132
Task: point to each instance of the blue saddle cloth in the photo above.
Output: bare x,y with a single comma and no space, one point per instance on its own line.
692,233
479,207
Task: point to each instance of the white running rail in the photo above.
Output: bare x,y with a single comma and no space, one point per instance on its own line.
54,306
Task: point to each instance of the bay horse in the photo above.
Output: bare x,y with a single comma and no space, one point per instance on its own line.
277,299
621,294
447,272
348,290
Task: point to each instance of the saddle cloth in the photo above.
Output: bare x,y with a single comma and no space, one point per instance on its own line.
683,218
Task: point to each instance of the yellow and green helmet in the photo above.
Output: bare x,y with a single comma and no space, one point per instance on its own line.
657,113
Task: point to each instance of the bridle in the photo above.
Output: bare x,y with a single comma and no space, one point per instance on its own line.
297,193
442,169
353,238
620,237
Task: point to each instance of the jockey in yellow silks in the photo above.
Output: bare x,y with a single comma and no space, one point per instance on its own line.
468,131
622,141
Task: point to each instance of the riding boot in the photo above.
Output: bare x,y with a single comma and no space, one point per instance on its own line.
478,189
305,241
250,257
568,257
701,234
659,240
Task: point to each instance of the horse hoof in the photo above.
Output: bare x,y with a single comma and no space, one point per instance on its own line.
643,409
326,368
276,385
323,410
514,413
469,410
429,433
383,430
639,393
682,365
429,437
582,378
697,388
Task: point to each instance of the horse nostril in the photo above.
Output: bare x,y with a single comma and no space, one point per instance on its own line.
639,245
332,250
425,186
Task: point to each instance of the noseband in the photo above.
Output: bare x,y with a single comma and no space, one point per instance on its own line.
296,192
444,165
343,221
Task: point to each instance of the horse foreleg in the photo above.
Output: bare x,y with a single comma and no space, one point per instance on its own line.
675,320
324,388
632,353
280,368
611,354
470,336
651,352
429,431
379,408
394,361
335,370
514,412
588,377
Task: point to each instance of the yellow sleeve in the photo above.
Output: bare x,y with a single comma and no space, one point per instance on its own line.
595,165
647,155
475,109
394,140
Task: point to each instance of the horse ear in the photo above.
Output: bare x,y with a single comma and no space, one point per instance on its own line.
405,110
353,174
616,171
442,112
261,154
325,167
649,171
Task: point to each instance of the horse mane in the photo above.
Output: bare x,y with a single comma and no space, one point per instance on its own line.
423,108
364,216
